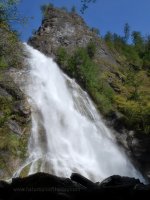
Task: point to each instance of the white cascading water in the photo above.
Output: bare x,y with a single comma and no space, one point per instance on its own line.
68,134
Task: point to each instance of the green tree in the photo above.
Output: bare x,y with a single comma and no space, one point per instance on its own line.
62,56
138,41
73,9
126,32
147,43
146,56
91,49
118,42
9,12
108,37
10,47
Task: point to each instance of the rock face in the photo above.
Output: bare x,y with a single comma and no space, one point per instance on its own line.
140,148
68,30
137,146
46,186
14,124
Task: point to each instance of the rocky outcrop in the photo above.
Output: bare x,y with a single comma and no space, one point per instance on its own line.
137,146
68,30
46,186
14,124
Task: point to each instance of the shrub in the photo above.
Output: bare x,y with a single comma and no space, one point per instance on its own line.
62,56
45,9
11,52
91,49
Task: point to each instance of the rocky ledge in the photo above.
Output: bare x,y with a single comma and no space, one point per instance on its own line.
46,186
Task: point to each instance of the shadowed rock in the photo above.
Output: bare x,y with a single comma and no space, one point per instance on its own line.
46,186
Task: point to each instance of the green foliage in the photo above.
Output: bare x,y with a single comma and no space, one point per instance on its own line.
95,30
10,48
126,32
81,67
11,53
127,90
136,114
108,37
137,54
134,102
73,9
9,141
5,109
146,60
2,163
132,56
62,56
3,62
138,41
9,12
104,104
91,49
25,171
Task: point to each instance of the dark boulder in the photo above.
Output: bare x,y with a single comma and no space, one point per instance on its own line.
116,180
46,186
82,180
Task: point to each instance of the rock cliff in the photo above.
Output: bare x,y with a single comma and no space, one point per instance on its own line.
68,30
15,122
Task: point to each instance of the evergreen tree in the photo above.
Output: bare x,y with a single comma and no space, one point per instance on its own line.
73,9
126,32
9,12
108,37
138,41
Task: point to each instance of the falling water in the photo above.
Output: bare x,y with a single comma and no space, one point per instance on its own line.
68,134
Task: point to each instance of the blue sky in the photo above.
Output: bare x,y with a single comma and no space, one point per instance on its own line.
106,15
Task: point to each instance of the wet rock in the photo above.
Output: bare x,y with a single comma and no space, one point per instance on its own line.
14,127
11,89
82,180
140,147
22,107
4,93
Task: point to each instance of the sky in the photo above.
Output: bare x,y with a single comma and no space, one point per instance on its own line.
106,15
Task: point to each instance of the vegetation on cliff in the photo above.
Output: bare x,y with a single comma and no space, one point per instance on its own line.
14,120
10,47
126,89
82,67
133,96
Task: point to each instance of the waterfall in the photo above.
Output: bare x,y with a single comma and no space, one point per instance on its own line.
68,134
